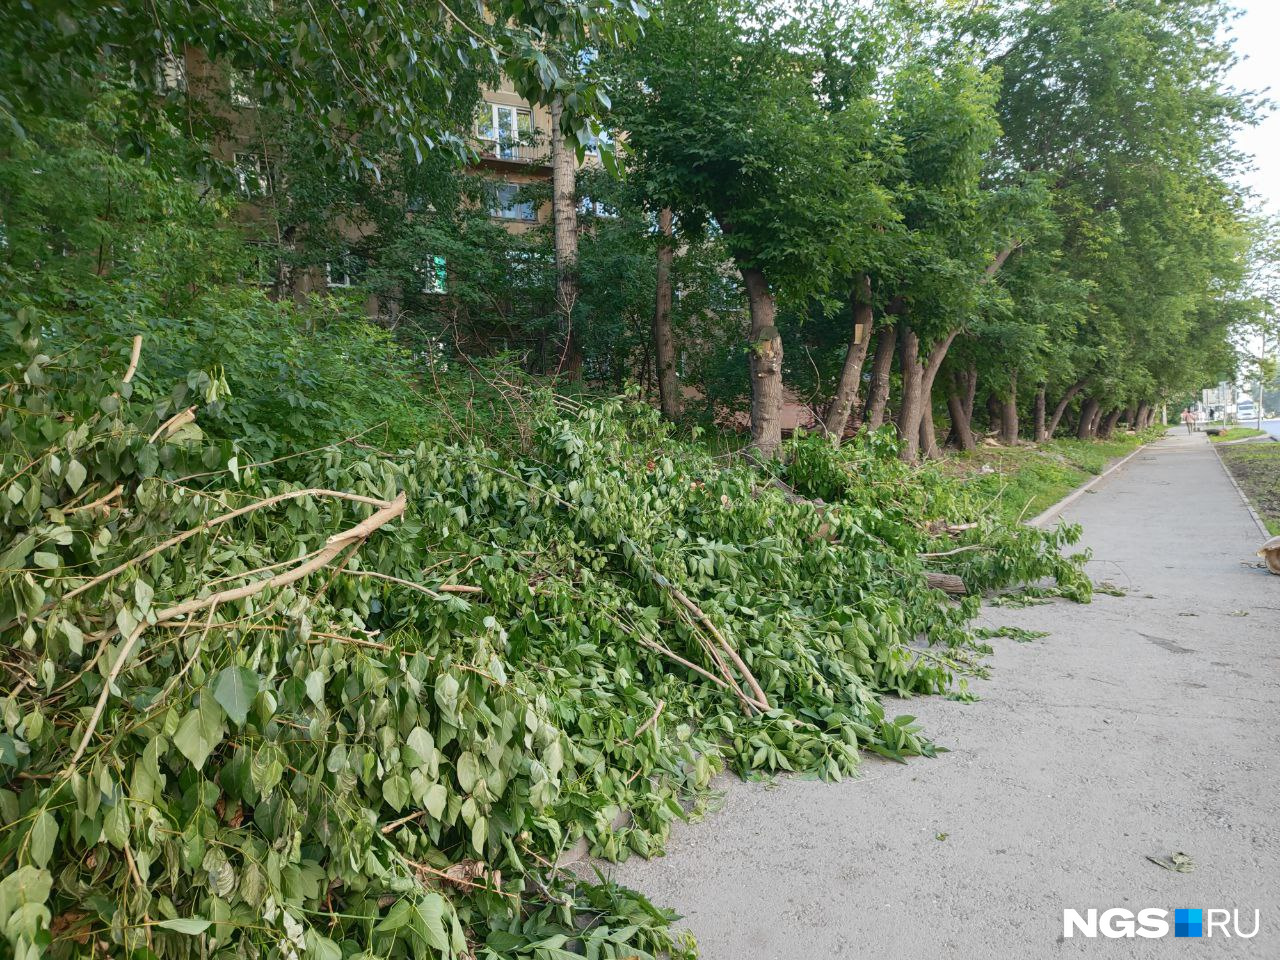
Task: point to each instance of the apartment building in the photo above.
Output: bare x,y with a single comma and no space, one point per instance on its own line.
511,137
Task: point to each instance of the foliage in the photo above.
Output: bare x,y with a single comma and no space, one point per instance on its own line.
367,759
390,69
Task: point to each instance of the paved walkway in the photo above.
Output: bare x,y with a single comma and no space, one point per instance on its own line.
1144,725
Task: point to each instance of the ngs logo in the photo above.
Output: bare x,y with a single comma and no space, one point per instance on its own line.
1153,922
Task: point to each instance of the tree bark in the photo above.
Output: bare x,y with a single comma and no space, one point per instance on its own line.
1061,408
928,435
918,375
1144,413
1009,412
912,375
846,395
1039,415
564,220
962,412
664,346
765,351
1109,423
881,368
1088,417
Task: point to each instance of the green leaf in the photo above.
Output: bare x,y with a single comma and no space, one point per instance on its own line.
435,799
76,475
468,771
399,914
395,790
430,910
44,832
198,733
234,689
188,925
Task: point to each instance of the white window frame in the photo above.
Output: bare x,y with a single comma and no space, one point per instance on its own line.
240,87
513,210
346,283
595,208
598,138
251,160
493,136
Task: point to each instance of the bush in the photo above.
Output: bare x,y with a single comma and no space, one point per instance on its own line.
213,745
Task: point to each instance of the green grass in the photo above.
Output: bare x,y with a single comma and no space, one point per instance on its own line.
1026,480
1256,467
1237,433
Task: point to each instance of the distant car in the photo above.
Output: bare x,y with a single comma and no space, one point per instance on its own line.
1246,411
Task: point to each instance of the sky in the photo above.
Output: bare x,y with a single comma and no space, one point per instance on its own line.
1256,33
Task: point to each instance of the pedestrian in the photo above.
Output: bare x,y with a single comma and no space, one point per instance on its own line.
1188,418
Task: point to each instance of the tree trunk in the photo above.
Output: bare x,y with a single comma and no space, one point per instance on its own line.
765,351
918,375
912,375
928,435
994,410
971,391
962,412
1061,408
1109,423
664,346
1088,416
1144,413
846,395
564,220
1039,415
1009,413
881,368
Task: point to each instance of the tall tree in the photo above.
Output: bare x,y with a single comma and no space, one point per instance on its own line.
758,117
664,348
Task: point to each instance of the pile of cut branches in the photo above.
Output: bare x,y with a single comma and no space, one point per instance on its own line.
361,703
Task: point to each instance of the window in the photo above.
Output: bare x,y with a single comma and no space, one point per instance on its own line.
263,264
435,275
598,139
254,177
345,273
240,85
171,74
506,207
595,208
504,131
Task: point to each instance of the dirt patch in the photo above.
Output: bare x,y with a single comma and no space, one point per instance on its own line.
1256,467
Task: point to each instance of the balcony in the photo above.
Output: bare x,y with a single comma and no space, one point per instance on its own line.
523,152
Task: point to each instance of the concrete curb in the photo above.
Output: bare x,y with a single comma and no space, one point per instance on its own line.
1231,443
1043,519
1262,527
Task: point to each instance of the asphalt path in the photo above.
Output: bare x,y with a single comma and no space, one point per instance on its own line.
1144,725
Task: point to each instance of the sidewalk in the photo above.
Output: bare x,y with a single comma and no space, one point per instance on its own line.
1143,725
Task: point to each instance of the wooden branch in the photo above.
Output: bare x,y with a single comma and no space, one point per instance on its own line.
333,546
949,553
125,650
134,355
97,503
647,724
430,591
994,266
756,690
173,424
946,582
210,524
